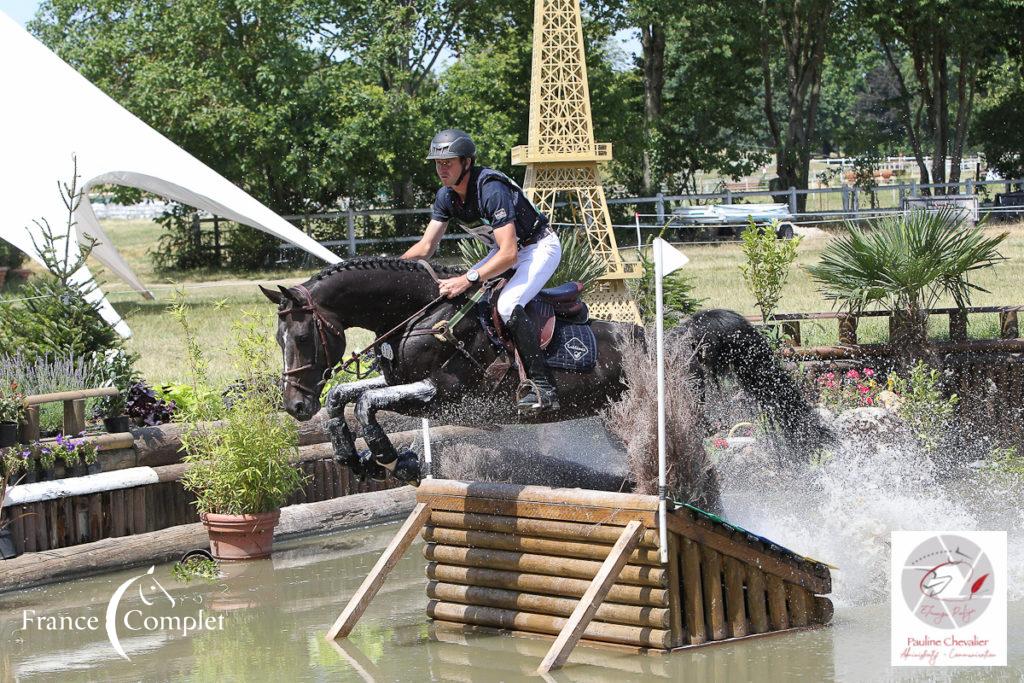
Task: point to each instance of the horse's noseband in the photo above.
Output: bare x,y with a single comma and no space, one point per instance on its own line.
322,326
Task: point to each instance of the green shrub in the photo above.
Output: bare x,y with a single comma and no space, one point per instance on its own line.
768,260
240,466
924,408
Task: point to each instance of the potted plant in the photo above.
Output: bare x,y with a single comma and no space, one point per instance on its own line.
78,455
119,372
239,468
145,408
12,408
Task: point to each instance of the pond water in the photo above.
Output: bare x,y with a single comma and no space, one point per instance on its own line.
265,622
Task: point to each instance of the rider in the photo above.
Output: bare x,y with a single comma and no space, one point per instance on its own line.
492,208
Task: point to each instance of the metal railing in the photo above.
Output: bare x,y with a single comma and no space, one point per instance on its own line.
351,228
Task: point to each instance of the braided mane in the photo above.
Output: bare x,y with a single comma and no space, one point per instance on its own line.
382,263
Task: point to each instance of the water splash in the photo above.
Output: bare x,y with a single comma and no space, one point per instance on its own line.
842,512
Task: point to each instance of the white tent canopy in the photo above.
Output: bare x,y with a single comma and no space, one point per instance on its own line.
52,112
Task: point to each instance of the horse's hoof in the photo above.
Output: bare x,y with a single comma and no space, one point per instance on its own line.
407,468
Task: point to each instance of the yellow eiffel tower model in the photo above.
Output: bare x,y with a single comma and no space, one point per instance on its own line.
561,155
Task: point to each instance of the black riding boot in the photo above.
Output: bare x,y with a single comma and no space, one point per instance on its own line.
538,393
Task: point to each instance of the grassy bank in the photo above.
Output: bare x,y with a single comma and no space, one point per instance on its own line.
218,298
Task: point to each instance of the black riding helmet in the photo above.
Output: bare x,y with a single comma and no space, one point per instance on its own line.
451,144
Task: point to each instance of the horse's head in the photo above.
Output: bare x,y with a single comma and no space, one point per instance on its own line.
312,340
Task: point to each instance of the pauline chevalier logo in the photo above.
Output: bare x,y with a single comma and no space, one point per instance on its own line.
949,598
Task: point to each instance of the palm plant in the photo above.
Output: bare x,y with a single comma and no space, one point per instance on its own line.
906,263
578,264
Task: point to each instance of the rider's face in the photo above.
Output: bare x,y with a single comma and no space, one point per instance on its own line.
448,170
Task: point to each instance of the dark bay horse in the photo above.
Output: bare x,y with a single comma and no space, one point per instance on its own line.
424,376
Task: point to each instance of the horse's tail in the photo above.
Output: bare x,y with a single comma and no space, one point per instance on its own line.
724,342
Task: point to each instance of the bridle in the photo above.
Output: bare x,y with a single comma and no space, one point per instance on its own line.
322,326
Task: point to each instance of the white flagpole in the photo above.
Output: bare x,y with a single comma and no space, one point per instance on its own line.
426,449
659,274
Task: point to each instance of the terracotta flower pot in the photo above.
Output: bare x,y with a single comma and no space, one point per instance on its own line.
241,537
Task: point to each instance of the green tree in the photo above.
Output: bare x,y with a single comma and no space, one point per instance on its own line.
938,64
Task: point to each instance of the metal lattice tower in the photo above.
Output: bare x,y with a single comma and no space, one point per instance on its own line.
561,155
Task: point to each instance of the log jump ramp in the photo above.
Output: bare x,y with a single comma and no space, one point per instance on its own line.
586,565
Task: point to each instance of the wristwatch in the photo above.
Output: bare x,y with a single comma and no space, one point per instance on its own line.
473,275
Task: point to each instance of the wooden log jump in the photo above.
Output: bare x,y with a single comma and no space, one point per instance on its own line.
585,565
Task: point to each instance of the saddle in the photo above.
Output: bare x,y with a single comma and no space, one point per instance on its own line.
562,302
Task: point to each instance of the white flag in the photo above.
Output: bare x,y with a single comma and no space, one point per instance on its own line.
671,258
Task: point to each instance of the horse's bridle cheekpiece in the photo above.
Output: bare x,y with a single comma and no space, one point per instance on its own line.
322,326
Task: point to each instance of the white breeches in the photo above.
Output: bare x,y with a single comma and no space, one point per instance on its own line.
534,266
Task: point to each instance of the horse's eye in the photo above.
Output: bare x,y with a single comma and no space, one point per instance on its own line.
304,337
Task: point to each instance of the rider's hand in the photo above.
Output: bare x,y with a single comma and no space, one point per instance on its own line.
453,286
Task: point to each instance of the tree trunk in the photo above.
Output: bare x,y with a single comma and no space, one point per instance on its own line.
652,40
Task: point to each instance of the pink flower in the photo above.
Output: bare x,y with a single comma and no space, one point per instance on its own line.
862,388
868,372
830,384
852,374
868,401
830,375
720,443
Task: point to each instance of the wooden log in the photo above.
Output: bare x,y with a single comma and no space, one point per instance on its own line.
529,544
777,603
583,615
1008,327
544,623
139,509
798,601
679,522
29,427
536,494
675,590
539,510
693,594
756,599
42,529
95,516
539,564
822,610
958,326
633,615
76,395
17,527
735,598
375,579
30,527
714,609
543,584
74,416
543,528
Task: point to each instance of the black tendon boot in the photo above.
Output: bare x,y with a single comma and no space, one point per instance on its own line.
538,393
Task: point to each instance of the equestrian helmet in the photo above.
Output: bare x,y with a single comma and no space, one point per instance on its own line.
451,144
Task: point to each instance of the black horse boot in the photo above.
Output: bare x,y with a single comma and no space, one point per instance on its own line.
538,392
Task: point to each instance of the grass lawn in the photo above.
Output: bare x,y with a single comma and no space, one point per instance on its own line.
219,298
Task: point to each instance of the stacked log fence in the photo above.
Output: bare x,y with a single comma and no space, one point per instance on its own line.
520,558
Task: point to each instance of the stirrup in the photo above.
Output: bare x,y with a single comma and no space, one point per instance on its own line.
531,399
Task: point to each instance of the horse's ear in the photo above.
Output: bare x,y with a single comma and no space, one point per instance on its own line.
288,294
271,294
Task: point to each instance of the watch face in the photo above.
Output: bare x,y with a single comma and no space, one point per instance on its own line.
472,276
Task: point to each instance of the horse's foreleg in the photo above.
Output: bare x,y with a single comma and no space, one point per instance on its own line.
342,438
400,398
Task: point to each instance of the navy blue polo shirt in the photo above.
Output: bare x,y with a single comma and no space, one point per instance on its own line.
492,200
